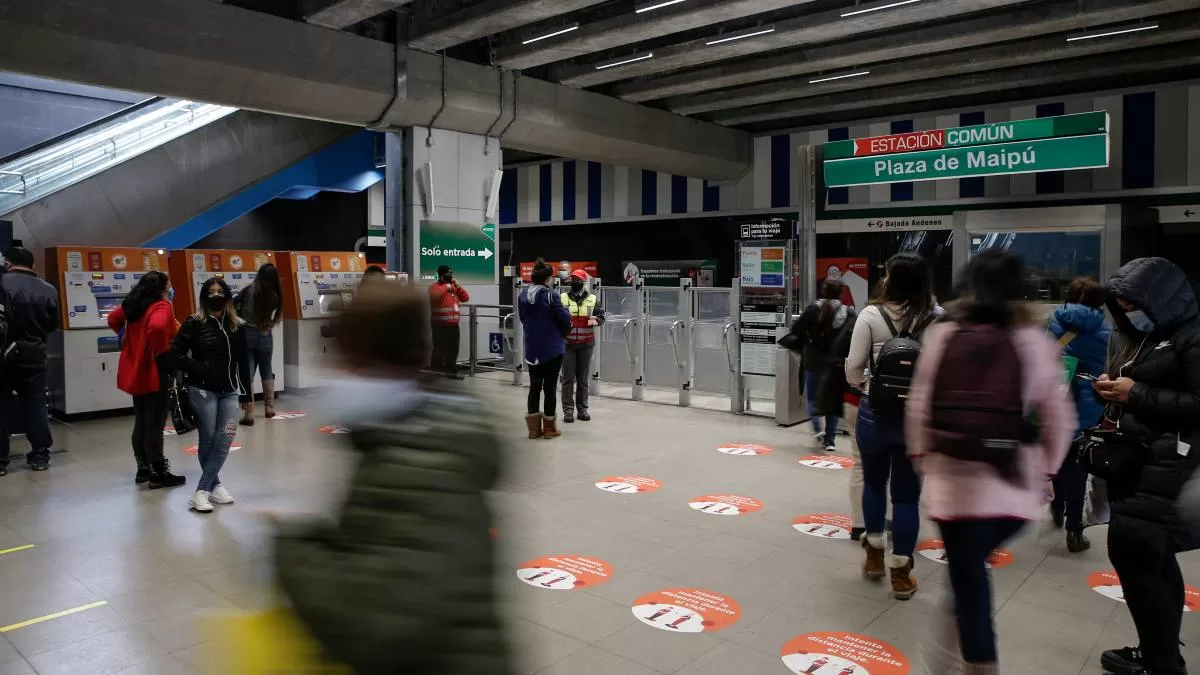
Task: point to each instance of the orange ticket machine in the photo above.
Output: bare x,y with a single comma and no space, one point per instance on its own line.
316,286
190,268
91,282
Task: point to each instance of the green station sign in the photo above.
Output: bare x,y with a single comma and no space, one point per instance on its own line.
469,249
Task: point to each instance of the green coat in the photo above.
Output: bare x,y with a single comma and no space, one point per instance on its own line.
402,583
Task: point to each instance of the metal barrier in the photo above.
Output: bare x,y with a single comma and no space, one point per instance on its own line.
505,356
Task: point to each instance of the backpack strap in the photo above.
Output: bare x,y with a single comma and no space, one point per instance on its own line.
891,327
888,320
919,330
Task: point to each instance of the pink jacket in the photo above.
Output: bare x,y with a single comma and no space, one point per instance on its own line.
959,490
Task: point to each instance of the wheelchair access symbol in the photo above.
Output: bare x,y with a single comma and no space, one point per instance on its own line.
495,343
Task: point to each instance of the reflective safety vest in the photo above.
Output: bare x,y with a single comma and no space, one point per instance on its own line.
581,333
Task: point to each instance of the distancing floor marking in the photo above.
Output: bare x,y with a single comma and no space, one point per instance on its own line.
51,617
26,547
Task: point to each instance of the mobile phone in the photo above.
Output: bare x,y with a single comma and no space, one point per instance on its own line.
1089,378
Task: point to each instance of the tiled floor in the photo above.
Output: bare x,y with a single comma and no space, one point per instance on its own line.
159,568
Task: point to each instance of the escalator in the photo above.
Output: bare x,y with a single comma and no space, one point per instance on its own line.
134,175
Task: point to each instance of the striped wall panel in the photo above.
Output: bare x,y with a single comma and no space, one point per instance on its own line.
1154,142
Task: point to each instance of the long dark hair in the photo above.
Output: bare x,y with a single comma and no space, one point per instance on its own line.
147,291
908,282
992,290
831,290
267,294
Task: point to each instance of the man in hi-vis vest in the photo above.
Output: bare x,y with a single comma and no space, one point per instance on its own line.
586,316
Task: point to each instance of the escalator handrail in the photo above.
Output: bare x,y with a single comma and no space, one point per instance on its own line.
78,130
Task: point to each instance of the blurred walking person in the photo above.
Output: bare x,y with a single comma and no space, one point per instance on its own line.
445,307
146,322
546,323
823,332
982,379
586,317
402,579
259,305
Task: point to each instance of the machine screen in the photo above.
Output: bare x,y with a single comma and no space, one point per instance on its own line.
333,302
105,305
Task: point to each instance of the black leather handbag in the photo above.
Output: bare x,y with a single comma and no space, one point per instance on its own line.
1109,453
183,417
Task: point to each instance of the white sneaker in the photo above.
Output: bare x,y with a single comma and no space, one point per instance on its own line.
220,495
200,502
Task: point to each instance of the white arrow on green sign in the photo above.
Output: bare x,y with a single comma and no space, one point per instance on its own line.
465,247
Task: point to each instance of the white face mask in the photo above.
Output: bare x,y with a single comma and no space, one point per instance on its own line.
1140,321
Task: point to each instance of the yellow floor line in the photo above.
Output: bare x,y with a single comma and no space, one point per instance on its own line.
26,547
51,617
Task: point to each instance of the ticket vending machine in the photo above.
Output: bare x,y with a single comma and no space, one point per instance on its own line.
190,268
91,282
316,286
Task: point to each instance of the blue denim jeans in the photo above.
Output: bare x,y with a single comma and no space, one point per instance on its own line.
260,347
969,543
812,386
216,423
885,460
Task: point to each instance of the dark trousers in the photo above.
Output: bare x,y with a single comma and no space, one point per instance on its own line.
576,381
885,463
969,544
1070,488
23,393
149,417
543,379
446,337
1144,557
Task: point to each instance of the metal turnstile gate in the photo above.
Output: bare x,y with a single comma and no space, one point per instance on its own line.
623,338
714,340
669,344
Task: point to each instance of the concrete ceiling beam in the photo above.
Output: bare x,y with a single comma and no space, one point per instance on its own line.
816,28
345,13
489,18
1023,23
633,27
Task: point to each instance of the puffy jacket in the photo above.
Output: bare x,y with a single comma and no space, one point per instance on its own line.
444,300
1164,405
145,342
403,580
545,322
213,356
32,315
1090,346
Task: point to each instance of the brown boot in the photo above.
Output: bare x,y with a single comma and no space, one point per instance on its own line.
534,422
247,414
550,428
269,398
904,584
873,567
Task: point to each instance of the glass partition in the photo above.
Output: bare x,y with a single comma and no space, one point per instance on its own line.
1053,259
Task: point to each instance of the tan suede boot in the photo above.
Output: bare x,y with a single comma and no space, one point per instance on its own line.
247,414
873,566
534,422
904,584
550,428
269,398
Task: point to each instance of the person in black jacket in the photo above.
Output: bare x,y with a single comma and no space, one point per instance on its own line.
823,331
32,312
211,350
1152,388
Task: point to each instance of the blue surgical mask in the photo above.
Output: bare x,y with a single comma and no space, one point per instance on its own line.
1140,321
171,294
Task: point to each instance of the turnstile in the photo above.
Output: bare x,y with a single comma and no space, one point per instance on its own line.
622,338
669,355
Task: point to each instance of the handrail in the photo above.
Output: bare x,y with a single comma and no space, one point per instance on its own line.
24,188
80,129
508,340
625,338
675,341
728,351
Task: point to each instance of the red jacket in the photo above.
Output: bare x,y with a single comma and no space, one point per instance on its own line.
443,302
145,339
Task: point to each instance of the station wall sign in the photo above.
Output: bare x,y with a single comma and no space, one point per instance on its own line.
469,249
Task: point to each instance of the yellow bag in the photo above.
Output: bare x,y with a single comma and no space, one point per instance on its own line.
272,642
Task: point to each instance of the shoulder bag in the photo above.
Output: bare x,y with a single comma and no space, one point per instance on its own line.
183,417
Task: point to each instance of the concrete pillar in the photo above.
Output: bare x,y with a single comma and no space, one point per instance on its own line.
394,213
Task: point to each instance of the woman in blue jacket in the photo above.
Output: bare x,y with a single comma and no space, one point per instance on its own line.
1080,326
546,323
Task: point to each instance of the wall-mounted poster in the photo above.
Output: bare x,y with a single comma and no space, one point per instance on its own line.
854,272
668,272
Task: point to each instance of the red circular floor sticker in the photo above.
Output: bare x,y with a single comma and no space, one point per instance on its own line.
745,449
830,462
842,654
935,550
334,429
194,450
687,610
629,485
1109,585
288,415
725,505
564,572
827,525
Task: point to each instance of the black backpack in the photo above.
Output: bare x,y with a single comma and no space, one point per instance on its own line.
892,371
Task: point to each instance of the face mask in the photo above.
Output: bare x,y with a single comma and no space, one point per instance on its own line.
215,303
1140,321
577,285
563,275
448,277
171,294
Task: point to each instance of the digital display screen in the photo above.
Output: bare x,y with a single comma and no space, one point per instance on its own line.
105,306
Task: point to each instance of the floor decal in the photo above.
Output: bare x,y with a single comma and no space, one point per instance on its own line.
687,610
564,572
827,525
194,450
725,505
1109,585
745,449
830,462
334,429
288,415
629,485
169,431
842,654
935,550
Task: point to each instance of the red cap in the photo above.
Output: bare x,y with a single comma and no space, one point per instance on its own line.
580,274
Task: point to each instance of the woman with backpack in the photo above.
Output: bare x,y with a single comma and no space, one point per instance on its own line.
1152,393
883,349
1082,332
819,333
546,323
988,425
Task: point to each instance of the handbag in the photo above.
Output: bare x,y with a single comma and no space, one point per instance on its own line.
1112,455
183,417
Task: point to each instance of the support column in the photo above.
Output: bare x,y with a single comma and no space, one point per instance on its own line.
395,216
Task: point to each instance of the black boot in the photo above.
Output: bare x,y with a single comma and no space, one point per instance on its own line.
1077,543
143,473
161,476
569,415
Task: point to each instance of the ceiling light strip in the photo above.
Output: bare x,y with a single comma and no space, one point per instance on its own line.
878,7
743,36
568,29
839,77
657,5
1111,33
614,64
